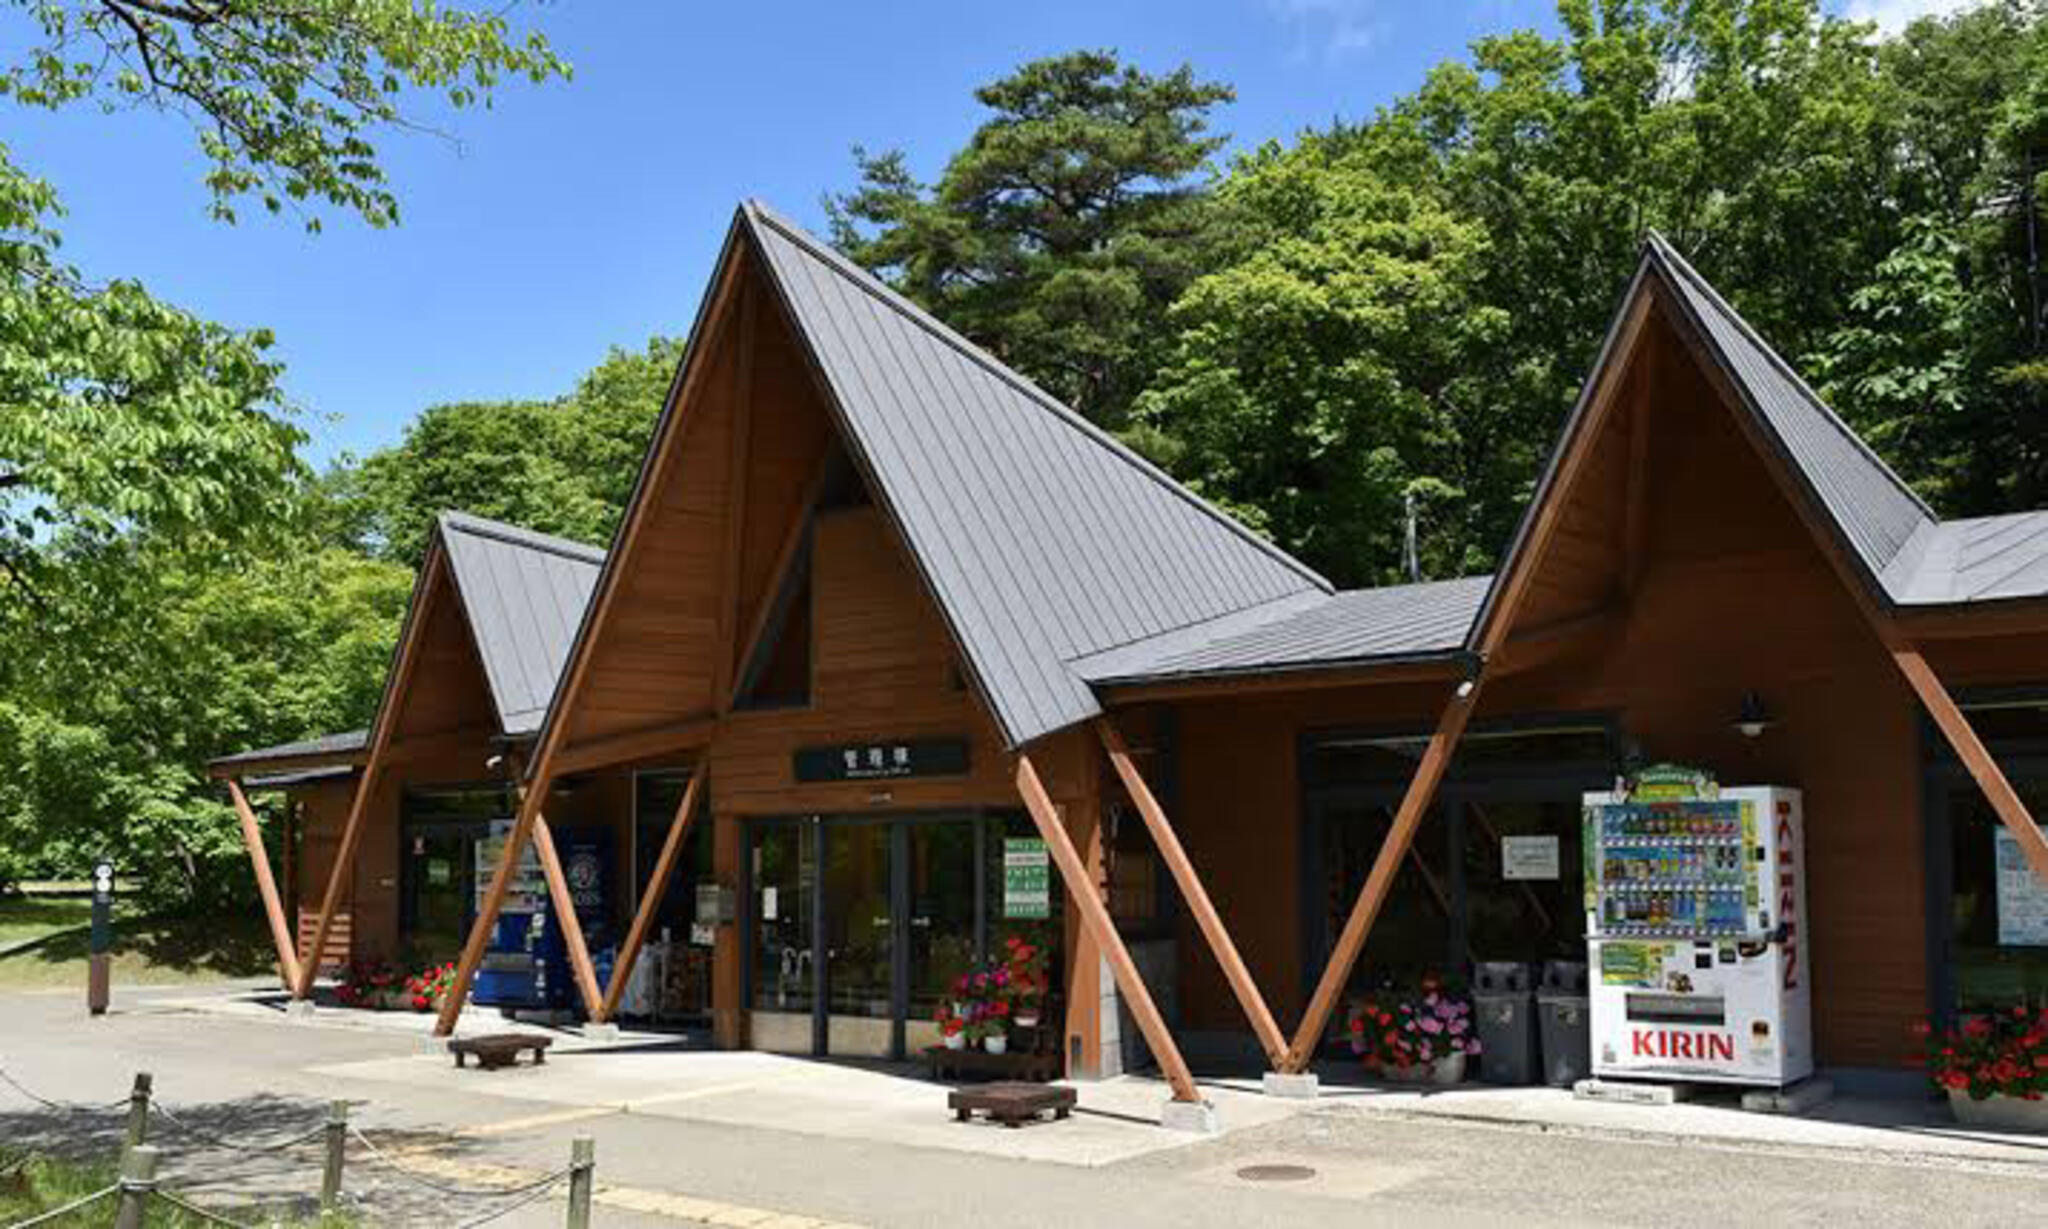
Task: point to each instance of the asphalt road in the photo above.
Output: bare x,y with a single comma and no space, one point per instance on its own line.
1333,1166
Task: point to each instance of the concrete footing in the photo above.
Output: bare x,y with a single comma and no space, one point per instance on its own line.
1618,1092
606,1032
1194,1117
299,1009
1792,1099
1292,1085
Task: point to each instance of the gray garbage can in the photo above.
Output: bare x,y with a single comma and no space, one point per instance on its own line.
1506,1014
1566,1023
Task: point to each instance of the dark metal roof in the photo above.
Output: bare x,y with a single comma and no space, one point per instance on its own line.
1042,538
303,776
1356,627
1874,508
345,743
1981,559
524,594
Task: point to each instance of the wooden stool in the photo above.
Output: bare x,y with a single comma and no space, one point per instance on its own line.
495,1050
1011,1104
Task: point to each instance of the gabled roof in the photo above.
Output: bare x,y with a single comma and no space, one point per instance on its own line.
1041,538
1874,509
523,594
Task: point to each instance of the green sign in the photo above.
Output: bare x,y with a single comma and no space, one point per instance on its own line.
1027,878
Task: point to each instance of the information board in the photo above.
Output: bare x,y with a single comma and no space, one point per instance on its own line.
1529,857
1027,878
2022,897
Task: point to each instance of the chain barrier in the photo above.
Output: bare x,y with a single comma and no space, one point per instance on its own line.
192,1209
219,1141
44,1218
531,1198
68,1107
456,1192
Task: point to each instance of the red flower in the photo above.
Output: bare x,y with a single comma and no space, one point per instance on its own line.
1956,1080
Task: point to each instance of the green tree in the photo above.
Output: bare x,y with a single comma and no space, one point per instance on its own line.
564,466
1058,237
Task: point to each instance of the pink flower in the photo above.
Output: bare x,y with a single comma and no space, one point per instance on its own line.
1432,1026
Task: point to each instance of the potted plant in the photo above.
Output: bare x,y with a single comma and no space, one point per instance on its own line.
1422,1038
996,1025
425,990
1027,980
952,1029
371,982
1994,1068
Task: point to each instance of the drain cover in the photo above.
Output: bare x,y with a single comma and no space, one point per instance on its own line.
1276,1173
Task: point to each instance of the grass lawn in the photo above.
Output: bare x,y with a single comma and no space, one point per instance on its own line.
147,951
30,917
31,1184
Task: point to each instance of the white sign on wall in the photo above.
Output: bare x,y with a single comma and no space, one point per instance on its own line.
2022,897
1528,857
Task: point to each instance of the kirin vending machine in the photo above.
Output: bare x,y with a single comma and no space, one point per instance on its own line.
1696,903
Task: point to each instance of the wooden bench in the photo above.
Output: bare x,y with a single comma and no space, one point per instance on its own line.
495,1050
1011,1104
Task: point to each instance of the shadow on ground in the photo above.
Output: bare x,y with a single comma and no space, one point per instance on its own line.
264,1155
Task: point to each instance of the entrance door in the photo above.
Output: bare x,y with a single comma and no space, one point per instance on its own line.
860,939
439,879
943,937
1416,932
782,912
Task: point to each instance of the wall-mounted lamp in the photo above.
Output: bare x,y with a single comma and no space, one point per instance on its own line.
1470,683
1752,719
494,763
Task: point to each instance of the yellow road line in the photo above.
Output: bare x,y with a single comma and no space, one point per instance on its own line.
531,1121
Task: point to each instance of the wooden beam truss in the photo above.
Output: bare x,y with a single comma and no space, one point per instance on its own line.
1101,927
266,885
1264,1026
650,902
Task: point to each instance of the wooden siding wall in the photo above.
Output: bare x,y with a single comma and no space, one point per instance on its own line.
1733,596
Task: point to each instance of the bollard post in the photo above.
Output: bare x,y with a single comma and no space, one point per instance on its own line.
138,1185
582,1177
138,1110
337,1147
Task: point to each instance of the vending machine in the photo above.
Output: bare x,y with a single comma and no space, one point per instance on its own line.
526,960
1695,911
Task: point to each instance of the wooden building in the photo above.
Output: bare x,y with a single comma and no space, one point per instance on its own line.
880,609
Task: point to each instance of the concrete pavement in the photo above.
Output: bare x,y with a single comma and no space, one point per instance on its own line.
745,1139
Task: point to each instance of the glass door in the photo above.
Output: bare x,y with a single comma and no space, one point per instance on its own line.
1532,908
782,913
1415,933
942,939
859,939
438,885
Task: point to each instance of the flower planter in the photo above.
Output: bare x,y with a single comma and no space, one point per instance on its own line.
1447,1070
1027,1018
1999,1113
995,1043
956,1041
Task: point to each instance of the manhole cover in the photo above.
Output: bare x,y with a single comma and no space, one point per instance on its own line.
1276,1173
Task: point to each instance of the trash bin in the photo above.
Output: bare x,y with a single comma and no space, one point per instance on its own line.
1506,1014
1566,1023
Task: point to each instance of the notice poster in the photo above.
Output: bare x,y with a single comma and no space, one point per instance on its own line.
528,888
2022,897
1027,878
1633,964
1529,857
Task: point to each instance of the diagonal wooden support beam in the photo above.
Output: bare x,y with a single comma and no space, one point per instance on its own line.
266,886
1429,773
1267,1029
1095,916
1998,791
657,887
580,966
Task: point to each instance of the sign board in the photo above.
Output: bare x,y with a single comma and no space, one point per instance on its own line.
1529,857
715,904
882,761
2022,897
1027,878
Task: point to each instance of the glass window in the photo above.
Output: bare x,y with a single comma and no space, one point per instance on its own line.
1998,925
784,879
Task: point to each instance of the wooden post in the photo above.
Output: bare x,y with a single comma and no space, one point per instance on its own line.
1095,916
657,887
1970,749
1211,923
565,912
138,1110
138,1186
337,1153
582,1171
266,887
1436,757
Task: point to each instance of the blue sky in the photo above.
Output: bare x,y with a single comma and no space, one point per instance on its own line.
575,217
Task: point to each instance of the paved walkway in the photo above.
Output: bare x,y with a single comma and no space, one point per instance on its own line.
692,1136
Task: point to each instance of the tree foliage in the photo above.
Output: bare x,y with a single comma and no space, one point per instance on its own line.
1058,237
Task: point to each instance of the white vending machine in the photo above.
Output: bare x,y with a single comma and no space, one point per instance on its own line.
1695,912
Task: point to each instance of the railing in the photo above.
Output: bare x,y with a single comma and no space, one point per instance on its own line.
139,1188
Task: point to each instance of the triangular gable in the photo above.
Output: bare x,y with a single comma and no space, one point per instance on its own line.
1042,539
1870,512
523,594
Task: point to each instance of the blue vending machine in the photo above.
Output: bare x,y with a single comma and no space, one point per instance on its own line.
526,965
